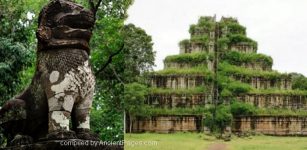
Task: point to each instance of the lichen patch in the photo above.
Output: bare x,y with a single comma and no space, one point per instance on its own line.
54,76
60,118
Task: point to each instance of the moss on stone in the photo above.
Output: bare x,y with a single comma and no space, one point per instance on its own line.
237,58
280,112
199,70
191,58
279,92
190,91
151,111
231,70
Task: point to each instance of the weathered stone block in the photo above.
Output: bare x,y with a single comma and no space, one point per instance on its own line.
271,125
178,81
243,48
275,101
178,100
266,83
168,124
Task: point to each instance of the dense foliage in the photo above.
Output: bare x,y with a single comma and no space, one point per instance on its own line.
233,27
135,95
204,25
299,81
14,58
237,58
218,118
241,109
139,55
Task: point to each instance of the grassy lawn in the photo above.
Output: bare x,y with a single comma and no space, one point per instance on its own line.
197,141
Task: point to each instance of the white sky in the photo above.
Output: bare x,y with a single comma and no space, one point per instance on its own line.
279,26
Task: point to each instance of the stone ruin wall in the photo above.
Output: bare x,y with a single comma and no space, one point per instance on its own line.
178,81
168,124
178,100
262,83
195,47
257,66
177,65
243,48
271,125
275,101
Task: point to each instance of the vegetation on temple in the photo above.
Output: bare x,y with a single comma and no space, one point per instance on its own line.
238,59
199,70
236,71
190,91
190,58
152,111
299,81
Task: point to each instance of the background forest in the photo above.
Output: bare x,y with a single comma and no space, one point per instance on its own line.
119,54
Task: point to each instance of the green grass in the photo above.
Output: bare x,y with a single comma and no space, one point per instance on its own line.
198,141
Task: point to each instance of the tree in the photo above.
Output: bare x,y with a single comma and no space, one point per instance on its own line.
222,119
134,101
138,51
107,59
14,58
299,81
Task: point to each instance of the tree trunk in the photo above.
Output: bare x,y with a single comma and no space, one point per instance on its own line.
130,124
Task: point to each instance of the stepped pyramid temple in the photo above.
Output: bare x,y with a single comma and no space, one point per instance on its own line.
218,65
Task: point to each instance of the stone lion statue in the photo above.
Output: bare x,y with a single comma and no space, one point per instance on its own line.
63,85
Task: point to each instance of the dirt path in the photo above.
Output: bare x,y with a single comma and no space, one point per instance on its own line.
218,146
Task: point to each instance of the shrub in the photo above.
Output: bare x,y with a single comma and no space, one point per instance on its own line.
237,58
184,42
238,38
200,39
299,81
230,87
218,119
223,117
240,108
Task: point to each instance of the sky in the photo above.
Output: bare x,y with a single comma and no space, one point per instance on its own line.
279,26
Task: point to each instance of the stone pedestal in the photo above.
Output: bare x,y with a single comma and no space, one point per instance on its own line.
70,145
